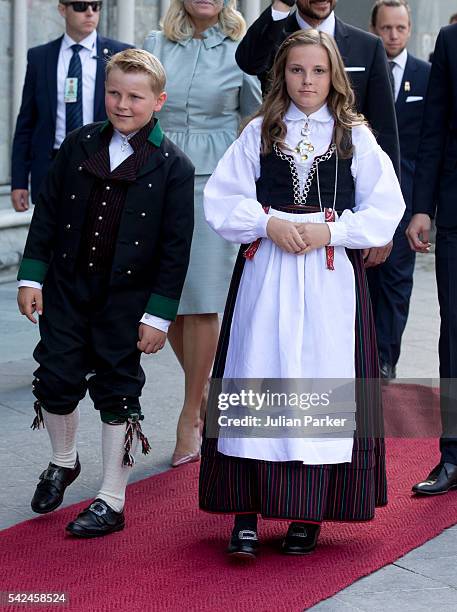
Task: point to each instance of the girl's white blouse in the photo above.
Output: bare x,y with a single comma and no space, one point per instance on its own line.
232,209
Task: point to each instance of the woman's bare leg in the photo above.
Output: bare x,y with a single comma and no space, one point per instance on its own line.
194,341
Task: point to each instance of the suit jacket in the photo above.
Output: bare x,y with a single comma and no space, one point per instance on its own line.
33,141
435,183
365,60
153,241
410,111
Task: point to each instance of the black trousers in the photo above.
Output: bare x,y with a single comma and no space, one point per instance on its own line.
446,278
88,326
391,285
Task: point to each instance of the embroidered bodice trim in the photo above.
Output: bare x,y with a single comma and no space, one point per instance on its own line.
300,197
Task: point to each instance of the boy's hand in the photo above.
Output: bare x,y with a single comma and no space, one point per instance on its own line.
30,300
285,235
315,235
151,339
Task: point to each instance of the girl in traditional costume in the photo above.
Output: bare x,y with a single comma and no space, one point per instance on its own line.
305,188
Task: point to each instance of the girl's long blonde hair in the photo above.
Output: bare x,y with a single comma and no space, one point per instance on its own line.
340,100
177,25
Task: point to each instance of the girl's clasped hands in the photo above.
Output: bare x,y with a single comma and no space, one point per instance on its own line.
298,238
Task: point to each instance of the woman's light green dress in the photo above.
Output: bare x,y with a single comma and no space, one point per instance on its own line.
208,95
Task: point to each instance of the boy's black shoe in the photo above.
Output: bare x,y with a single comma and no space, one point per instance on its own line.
244,544
51,488
301,539
96,520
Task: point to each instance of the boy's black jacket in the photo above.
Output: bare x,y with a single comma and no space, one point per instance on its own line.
155,232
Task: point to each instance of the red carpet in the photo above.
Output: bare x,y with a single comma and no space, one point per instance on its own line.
171,556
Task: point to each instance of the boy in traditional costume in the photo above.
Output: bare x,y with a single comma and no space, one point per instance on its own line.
103,266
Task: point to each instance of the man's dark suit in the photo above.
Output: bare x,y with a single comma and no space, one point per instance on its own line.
392,282
435,190
33,141
255,55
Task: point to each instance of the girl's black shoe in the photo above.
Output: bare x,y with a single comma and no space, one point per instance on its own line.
301,538
244,544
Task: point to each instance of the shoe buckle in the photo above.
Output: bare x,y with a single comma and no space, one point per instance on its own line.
247,534
49,473
98,508
299,533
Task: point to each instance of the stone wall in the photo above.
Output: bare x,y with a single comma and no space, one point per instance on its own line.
146,18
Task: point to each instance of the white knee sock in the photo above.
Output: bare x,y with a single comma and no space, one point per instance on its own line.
62,429
115,475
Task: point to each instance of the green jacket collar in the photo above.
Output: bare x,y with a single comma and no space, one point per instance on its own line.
156,135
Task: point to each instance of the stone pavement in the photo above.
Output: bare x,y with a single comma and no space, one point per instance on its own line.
423,579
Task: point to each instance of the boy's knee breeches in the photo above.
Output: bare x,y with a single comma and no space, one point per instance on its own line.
88,343
60,396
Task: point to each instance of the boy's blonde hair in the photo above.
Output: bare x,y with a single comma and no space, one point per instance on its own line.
177,25
340,101
138,60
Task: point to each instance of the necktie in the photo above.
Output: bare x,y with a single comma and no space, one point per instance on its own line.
74,110
392,79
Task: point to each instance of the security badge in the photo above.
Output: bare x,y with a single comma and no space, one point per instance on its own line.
71,90
407,86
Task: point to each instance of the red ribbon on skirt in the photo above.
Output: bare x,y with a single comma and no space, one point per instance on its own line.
329,250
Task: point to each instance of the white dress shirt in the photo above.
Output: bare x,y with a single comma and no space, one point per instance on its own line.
88,55
232,208
398,70
327,26
119,150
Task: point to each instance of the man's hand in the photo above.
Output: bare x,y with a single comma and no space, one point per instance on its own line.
285,235
315,235
30,300
418,233
377,255
151,339
20,199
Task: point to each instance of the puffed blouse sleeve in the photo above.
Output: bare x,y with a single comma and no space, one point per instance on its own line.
230,202
379,204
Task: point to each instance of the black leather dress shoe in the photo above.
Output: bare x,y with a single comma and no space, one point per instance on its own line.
441,479
96,520
301,539
387,371
244,544
50,490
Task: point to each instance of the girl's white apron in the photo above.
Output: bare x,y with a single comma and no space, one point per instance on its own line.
293,318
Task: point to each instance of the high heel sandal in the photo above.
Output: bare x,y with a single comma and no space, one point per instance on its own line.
178,460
